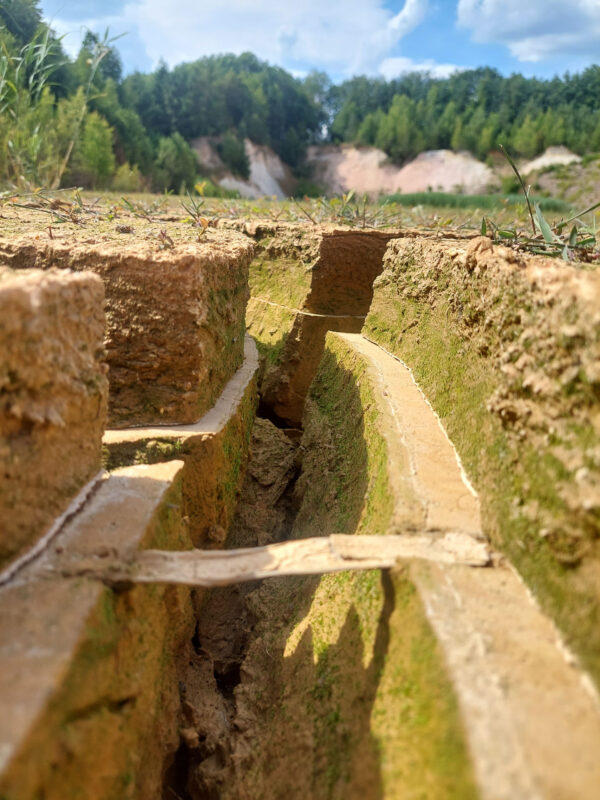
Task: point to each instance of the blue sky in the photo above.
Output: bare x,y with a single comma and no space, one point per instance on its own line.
346,37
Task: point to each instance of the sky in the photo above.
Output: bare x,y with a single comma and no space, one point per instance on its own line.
345,37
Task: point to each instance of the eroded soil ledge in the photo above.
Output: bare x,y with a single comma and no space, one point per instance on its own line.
408,683
296,686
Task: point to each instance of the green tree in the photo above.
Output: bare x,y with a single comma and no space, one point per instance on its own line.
21,18
95,158
526,140
446,124
473,128
132,142
175,166
398,133
457,142
127,179
369,128
233,154
595,137
488,138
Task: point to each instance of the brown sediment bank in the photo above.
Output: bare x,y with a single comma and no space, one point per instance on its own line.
407,385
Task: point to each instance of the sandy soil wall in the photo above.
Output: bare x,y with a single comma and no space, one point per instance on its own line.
507,349
304,281
175,316
328,687
214,452
53,393
88,685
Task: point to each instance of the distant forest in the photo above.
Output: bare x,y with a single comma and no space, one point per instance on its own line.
66,122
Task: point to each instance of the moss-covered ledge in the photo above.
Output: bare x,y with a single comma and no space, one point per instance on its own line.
88,681
438,641
507,350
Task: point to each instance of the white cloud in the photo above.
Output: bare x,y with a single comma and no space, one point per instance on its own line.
81,9
392,67
344,36
537,29
409,17
72,25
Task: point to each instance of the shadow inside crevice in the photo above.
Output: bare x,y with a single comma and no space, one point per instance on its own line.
339,297
264,718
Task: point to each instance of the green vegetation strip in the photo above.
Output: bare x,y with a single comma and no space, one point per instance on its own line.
481,201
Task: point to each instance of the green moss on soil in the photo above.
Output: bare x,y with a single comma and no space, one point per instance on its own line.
145,451
415,719
269,326
353,492
107,730
368,676
283,280
427,319
282,268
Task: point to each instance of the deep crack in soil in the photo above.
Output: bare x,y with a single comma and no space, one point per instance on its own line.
210,713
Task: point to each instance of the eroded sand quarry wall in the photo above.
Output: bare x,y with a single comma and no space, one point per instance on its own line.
88,672
175,314
507,350
430,680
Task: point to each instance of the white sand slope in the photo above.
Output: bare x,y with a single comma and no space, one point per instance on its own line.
364,169
552,156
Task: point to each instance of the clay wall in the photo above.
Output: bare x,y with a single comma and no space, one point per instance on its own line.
506,347
88,672
175,313
53,392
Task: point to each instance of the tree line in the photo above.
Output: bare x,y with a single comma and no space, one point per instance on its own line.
81,122
471,110
65,122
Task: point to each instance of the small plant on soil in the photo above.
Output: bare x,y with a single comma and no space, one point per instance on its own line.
164,240
63,205
571,239
195,211
347,209
146,210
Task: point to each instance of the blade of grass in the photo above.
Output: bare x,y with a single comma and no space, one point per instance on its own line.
580,214
543,226
518,174
305,212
